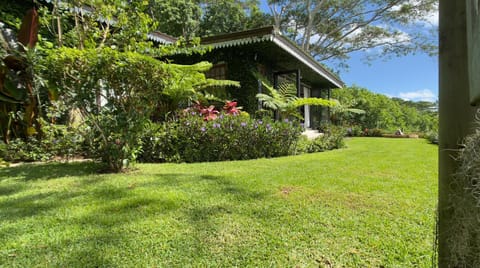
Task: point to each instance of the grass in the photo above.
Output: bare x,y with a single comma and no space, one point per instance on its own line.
369,205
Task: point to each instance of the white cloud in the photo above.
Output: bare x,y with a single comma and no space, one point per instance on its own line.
419,95
429,19
432,18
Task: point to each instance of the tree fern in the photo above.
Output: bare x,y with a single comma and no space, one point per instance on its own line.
285,101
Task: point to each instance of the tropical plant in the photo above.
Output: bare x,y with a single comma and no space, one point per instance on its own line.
19,95
285,101
188,84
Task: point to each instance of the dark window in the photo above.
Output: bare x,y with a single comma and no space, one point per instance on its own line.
218,71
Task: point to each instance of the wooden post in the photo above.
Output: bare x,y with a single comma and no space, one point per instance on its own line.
456,113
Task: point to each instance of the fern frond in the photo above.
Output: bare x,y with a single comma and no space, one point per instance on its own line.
269,101
220,83
287,90
355,111
313,102
202,66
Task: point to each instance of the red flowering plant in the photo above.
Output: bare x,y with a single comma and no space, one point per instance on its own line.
231,108
210,113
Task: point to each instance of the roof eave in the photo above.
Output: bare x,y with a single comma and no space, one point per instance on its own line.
306,59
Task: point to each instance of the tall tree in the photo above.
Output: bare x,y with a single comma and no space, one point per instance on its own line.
226,16
179,18
190,18
332,29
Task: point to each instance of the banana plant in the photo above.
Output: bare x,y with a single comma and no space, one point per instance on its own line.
17,91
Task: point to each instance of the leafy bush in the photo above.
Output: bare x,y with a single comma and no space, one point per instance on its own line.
28,151
354,131
333,138
159,143
432,137
374,132
259,114
57,141
133,87
229,137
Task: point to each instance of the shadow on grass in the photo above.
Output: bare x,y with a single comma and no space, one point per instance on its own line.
218,185
29,172
89,251
10,189
103,233
33,205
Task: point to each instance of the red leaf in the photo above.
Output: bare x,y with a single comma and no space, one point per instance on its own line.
28,34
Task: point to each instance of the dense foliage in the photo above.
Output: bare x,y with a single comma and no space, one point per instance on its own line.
191,138
189,18
383,113
95,62
331,138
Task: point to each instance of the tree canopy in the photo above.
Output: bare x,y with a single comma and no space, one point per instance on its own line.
333,29
190,18
382,112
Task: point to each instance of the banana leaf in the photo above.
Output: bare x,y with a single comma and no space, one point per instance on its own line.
28,33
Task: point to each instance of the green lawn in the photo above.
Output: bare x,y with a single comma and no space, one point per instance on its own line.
369,205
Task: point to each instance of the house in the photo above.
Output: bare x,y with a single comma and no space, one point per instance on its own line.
236,56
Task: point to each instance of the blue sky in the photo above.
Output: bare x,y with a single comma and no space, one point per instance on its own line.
413,77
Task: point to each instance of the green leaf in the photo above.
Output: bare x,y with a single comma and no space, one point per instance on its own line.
10,90
8,99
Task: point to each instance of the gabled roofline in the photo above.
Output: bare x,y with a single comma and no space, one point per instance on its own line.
270,34
306,59
162,38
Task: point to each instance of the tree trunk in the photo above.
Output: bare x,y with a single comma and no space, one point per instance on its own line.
59,23
456,117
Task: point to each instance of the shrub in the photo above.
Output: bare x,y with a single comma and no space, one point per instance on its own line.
28,151
432,137
159,143
374,132
354,131
229,137
259,114
57,141
333,138
115,139
62,140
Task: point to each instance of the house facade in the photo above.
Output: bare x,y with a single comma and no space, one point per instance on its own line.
238,56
